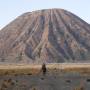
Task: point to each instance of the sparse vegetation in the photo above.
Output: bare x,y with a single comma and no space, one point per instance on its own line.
30,69
33,73
6,84
79,88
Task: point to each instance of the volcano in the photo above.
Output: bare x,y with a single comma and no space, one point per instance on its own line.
45,36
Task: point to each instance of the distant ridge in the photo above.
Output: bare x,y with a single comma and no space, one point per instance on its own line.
50,36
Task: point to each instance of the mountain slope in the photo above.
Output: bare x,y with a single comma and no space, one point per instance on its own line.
52,35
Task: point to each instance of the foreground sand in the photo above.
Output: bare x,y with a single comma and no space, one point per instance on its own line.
34,68
58,77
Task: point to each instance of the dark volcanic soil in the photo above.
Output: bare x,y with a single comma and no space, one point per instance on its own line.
51,81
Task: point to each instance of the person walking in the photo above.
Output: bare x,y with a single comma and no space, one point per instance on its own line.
44,69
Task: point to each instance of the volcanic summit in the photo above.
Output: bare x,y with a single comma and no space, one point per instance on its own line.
50,36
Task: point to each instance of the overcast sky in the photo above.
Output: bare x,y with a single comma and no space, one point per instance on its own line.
10,9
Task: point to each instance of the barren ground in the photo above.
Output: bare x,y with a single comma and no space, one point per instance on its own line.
58,77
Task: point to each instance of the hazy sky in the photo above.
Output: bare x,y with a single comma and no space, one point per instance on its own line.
10,9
